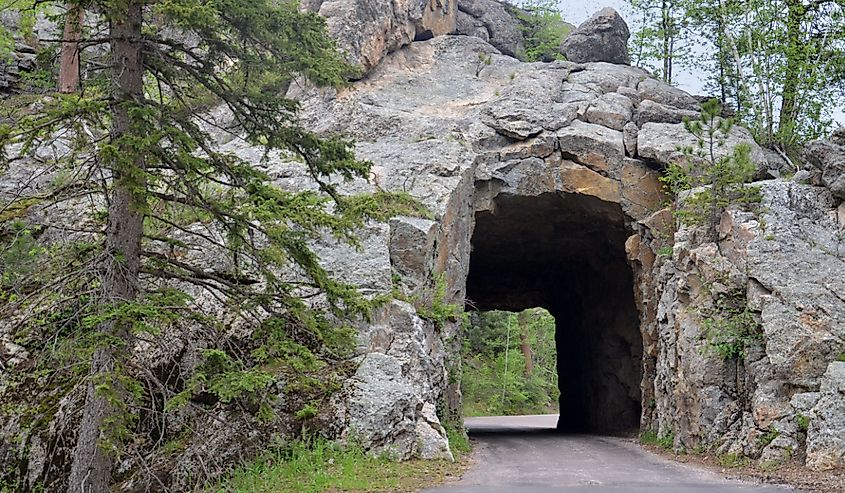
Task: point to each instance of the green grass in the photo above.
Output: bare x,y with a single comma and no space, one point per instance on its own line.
803,423
666,442
768,438
318,466
733,460
458,442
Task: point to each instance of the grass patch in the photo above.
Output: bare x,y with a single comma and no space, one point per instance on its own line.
768,438
803,423
666,442
458,442
317,466
733,460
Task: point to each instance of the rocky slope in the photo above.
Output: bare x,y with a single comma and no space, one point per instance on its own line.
578,149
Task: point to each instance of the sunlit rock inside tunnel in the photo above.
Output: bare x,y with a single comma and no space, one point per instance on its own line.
566,253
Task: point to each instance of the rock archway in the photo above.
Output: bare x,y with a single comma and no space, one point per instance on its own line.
566,252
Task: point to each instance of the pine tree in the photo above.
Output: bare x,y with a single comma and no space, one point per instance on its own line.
136,140
712,179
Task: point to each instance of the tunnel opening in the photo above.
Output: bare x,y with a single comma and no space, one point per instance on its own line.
566,253
509,364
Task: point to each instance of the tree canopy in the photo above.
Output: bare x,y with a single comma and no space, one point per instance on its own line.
172,222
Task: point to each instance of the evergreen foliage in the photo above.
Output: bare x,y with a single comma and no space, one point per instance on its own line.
496,380
711,182
730,326
173,223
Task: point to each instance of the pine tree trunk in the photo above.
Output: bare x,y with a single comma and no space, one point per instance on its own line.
92,467
69,65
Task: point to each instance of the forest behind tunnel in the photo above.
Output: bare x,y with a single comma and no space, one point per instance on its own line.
566,254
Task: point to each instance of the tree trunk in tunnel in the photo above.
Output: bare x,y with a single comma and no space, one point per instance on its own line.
524,319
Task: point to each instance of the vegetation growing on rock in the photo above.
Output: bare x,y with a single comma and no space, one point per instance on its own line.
178,238
713,182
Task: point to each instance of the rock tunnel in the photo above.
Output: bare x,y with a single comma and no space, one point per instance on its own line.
566,253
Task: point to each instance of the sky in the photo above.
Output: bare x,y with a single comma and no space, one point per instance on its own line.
577,11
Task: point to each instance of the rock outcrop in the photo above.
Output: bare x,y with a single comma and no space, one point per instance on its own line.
826,432
783,266
601,38
827,161
369,30
20,61
491,21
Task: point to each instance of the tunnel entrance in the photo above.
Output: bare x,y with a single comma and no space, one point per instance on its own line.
566,253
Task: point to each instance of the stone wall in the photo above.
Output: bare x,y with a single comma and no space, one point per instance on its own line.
786,263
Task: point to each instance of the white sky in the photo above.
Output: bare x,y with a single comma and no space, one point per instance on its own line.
577,11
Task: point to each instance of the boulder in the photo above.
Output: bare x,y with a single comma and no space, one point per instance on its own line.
606,77
411,240
597,147
629,136
827,160
826,435
650,111
467,25
369,30
491,21
601,38
611,110
663,143
662,93
383,408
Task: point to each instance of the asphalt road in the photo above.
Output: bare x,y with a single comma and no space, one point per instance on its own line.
523,454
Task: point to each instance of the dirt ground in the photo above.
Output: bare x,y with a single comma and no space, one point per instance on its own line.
793,473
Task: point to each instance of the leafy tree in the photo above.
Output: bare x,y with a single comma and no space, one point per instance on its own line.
661,40
509,363
712,180
778,63
163,199
543,29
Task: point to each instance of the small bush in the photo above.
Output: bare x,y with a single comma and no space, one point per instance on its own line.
458,441
714,183
803,423
730,327
768,438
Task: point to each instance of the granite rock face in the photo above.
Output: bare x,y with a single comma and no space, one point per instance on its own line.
783,265
826,435
491,21
601,38
369,30
827,161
